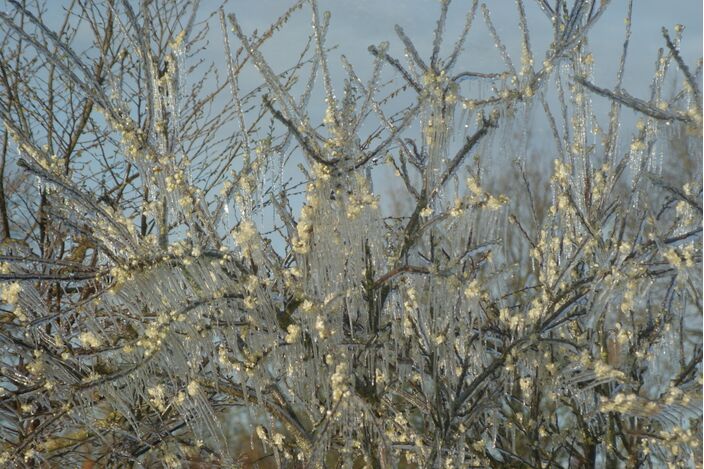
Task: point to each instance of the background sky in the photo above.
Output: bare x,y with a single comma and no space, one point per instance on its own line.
357,24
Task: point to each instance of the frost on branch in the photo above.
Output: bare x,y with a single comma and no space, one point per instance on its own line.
200,271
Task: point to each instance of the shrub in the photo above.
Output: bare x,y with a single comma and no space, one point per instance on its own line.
183,257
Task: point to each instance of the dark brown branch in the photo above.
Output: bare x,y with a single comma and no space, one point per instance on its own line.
395,64
635,103
302,139
3,202
685,70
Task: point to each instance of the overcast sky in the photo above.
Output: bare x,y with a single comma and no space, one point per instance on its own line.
357,24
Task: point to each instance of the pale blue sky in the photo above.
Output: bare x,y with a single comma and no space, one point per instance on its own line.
357,24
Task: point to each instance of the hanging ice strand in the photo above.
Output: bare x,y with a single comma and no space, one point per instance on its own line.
246,180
